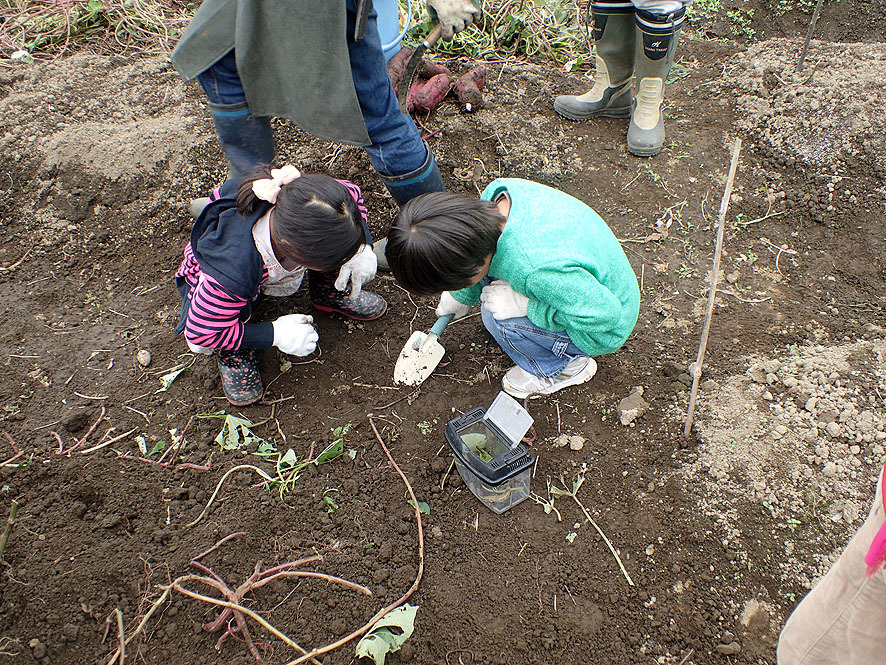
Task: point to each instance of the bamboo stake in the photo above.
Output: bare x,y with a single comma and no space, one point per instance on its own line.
712,294
809,35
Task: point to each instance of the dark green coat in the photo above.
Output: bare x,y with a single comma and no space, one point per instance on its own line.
292,56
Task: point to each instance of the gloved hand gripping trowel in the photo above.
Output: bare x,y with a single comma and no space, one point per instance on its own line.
421,354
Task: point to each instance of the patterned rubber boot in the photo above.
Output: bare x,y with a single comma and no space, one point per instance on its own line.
240,377
325,297
611,95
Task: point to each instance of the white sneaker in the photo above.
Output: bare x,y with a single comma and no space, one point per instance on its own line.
519,383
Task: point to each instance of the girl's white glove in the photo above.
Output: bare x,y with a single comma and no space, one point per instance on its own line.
502,301
295,335
454,15
357,271
449,305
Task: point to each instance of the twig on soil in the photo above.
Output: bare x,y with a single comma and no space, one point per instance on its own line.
397,401
239,467
212,549
104,444
141,413
12,459
122,656
82,440
15,265
576,485
421,563
4,539
686,657
759,219
6,436
6,646
98,397
712,294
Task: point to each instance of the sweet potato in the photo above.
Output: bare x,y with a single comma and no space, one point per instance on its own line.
468,88
429,69
397,64
428,96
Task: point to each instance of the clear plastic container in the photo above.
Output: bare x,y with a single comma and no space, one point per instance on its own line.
496,469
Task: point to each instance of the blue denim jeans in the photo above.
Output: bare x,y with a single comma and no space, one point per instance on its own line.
540,352
397,147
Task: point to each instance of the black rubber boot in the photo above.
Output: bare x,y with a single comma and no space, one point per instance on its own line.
240,377
656,42
246,140
610,95
325,297
406,187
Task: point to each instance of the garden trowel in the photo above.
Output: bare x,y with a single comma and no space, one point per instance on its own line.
421,355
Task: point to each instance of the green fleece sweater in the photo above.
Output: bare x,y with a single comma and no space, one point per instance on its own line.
560,254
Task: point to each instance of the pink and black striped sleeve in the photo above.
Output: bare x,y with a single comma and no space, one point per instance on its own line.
214,321
361,206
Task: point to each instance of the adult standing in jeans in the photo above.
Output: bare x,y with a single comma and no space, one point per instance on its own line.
632,37
321,65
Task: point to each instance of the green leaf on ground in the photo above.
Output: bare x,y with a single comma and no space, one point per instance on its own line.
388,634
167,379
423,507
235,434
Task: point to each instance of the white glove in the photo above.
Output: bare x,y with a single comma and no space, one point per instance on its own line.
502,301
454,15
295,335
358,270
449,305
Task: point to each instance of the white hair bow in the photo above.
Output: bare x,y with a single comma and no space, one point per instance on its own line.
267,189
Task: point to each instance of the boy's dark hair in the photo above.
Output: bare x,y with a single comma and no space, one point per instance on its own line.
440,241
316,220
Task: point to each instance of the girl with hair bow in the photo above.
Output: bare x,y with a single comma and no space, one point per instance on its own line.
258,236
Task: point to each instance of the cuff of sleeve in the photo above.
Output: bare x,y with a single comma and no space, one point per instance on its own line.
469,296
258,335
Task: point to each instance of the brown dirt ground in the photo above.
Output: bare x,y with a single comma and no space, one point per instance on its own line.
100,157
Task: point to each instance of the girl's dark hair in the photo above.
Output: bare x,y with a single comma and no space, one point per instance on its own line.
316,219
440,241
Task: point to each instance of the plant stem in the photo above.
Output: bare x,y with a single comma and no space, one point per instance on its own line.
4,539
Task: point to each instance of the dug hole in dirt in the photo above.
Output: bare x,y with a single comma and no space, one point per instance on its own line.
721,534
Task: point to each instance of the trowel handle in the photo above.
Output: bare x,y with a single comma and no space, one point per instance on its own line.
441,324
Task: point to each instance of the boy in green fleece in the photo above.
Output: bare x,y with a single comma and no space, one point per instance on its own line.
555,285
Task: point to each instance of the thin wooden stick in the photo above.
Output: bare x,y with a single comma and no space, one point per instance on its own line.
81,441
421,565
108,442
712,294
122,656
809,35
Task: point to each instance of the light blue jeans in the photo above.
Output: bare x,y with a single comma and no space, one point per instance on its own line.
540,352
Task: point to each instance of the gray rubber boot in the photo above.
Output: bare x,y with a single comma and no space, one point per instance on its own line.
656,42
610,96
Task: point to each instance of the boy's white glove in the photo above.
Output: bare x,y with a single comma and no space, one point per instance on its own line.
454,15
357,271
449,305
295,335
502,301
